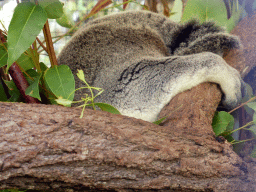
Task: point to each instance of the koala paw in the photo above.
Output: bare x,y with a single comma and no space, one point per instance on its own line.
233,92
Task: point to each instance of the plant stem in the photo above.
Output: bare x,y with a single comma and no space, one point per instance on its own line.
49,44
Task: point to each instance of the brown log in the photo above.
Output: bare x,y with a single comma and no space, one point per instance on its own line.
244,60
50,148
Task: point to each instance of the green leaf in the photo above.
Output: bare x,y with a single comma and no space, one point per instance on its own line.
63,102
27,21
33,89
65,21
248,93
3,96
53,8
252,105
250,108
160,120
31,73
235,16
60,81
253,154
3,55
254,118
107,107
206,10
13,91
229,138
222,122
25,62
253,130
43,66
80,75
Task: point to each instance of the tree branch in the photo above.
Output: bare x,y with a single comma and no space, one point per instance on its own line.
53,146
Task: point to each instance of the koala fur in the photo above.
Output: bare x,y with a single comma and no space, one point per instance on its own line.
142,60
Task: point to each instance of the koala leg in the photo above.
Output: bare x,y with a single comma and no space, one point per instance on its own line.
144,88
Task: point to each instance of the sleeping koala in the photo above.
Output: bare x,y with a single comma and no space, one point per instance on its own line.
142,60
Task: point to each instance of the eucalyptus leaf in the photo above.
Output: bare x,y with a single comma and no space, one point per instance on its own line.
228,137
253,153
65,21
253,130
25,61
206,10
254,118
33,89
3,55
222,122
3,96
252,105
13,91
53,8
27,21
43,66
60,81
30,75
107,107
159,121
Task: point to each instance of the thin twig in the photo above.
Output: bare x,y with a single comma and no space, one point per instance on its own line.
49,44
42,45
253,98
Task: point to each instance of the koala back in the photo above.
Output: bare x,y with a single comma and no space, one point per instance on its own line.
142,59
112,43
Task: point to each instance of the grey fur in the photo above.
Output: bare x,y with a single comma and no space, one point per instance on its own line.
142,60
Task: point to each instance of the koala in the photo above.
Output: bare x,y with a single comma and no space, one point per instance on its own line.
142,60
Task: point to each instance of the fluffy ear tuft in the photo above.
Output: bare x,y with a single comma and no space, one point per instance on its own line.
184,34
204,39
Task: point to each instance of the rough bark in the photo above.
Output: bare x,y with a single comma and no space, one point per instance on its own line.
51,148
245,59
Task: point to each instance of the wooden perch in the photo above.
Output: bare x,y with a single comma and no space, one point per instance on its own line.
50,148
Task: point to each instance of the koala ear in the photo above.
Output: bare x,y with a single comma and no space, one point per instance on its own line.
191,31
218,43
194,37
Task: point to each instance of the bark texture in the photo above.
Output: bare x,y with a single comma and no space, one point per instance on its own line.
51,148
244,60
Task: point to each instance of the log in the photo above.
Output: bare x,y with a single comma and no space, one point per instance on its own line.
50,148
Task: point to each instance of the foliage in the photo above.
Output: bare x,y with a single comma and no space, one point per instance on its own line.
212,10
27,21
88,100
223,124
159,121
55,84
60,81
